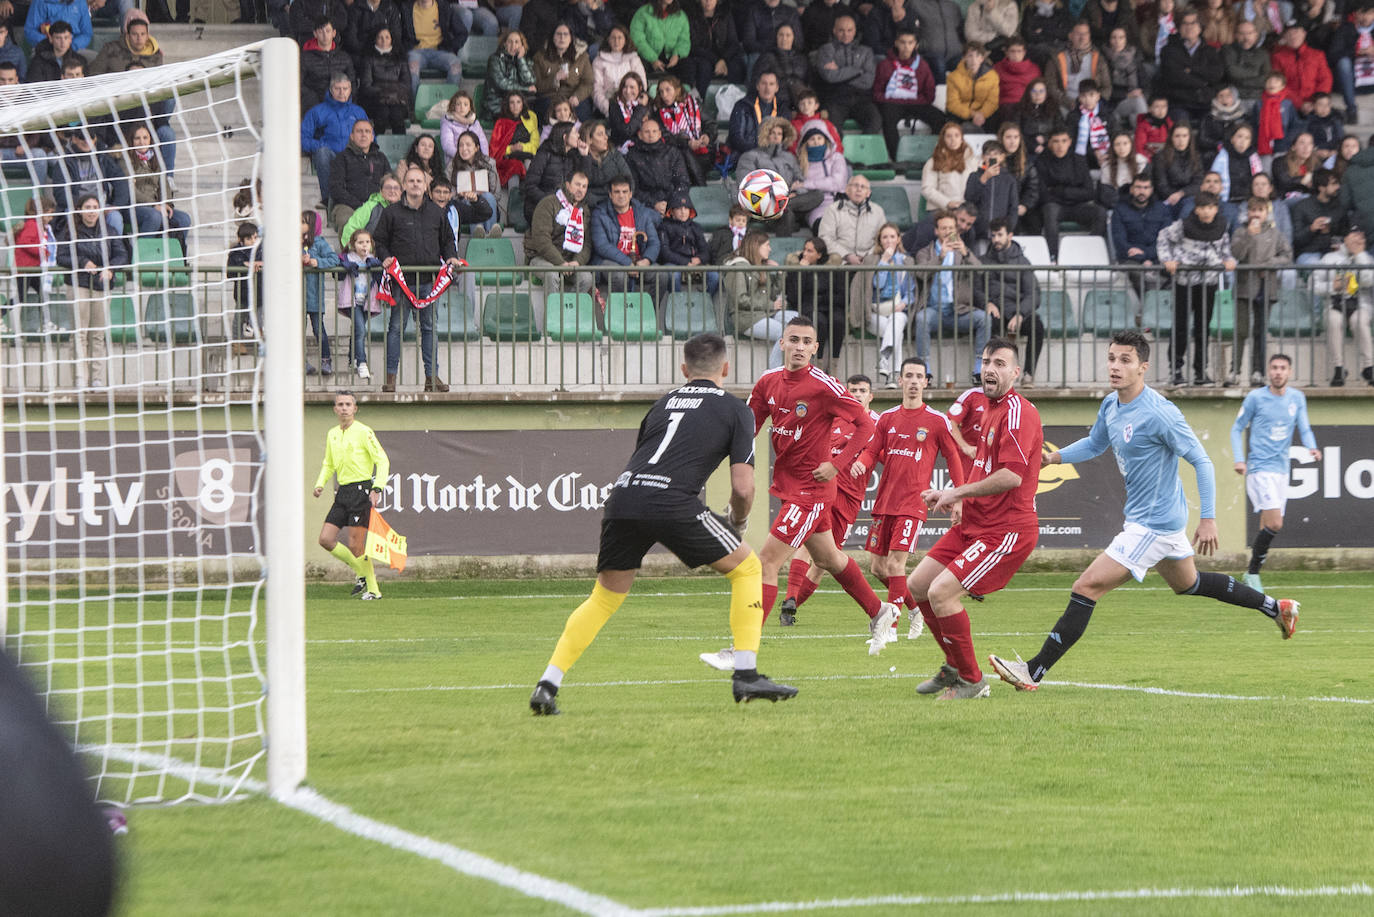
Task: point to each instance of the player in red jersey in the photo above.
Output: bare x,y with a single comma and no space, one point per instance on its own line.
804,403
908,439
967,413
995,528
803,573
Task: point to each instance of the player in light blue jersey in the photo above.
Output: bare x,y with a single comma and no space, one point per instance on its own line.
1270,413
1148,436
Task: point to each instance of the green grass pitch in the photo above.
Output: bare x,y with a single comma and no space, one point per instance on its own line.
655,790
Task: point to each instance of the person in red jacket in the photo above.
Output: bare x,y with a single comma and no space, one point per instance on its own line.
1015,72
35,246
1152,128
904,87
1305,68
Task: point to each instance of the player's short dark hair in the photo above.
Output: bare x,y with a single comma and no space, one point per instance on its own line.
346,391
1000,343
801,320
916,361
1134,339
858,378
999,224
704,353
1281,356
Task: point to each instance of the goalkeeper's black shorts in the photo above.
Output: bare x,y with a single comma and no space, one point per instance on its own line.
703,539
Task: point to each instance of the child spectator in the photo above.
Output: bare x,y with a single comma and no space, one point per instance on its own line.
1227,111
247,258
514,138
1275,115
357,294
993,189
1090,127
1153,127
824,169
315,252
1015,73
973,92
1256,242
459,118
441,193
1326,126
560,112
724,242
35,246
809,109
682,242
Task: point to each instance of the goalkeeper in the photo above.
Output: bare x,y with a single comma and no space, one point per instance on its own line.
351,453
657,500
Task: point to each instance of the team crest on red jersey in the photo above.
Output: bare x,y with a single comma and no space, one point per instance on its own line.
801,409
921,434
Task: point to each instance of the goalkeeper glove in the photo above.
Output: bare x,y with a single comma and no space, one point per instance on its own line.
739,525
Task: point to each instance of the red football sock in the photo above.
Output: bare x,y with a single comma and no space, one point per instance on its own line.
959,633
932,623
804,590
770,595
851,578
897,593
796,576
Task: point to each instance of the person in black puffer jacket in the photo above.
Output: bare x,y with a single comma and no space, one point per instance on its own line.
681,241
322,58
557,159
384,89
92,253
1068,190
657,167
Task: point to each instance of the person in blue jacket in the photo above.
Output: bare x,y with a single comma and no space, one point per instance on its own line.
325,129
624,232
315,252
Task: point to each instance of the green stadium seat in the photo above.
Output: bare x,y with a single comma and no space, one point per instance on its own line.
686,314
1293,315
160,262
571,317
171,317
1223,324
896,205
515,210
453,318
867,153
509,317
123,320
1106,312
1157,312
712,203
631,317
394,146
33,315
782,246
477,50
425,97
492,253
15,198
1056,311
914,149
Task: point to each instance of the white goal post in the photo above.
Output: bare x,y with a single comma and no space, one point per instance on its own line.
153,532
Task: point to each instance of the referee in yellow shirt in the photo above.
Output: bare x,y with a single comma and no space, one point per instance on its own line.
351,452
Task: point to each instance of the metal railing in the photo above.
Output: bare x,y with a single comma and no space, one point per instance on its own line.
502,330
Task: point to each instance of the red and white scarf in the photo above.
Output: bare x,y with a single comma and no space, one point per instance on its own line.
442,281
683,117
570,218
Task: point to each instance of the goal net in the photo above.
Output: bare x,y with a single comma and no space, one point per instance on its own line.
140,508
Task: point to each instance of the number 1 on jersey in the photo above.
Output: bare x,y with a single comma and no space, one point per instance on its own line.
674,419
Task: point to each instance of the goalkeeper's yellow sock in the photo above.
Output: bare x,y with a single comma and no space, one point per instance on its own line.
746,610
369,572
583,626
341,551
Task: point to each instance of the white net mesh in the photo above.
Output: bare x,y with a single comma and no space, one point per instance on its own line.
132,428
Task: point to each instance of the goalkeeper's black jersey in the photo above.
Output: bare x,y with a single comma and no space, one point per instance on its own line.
681,441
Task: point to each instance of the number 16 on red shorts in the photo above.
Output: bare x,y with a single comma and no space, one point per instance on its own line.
984,562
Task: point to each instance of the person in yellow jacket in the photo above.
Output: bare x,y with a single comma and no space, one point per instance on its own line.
973,87
353,456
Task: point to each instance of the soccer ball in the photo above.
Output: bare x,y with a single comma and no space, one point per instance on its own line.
763,193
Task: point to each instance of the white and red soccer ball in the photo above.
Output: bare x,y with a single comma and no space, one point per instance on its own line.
764,194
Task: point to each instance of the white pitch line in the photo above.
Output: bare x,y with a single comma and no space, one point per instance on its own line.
652,683
1360,889
309,802
719,592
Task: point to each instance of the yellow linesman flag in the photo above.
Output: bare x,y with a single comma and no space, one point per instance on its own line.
385,545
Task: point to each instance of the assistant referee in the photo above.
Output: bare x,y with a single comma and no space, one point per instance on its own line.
353,455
